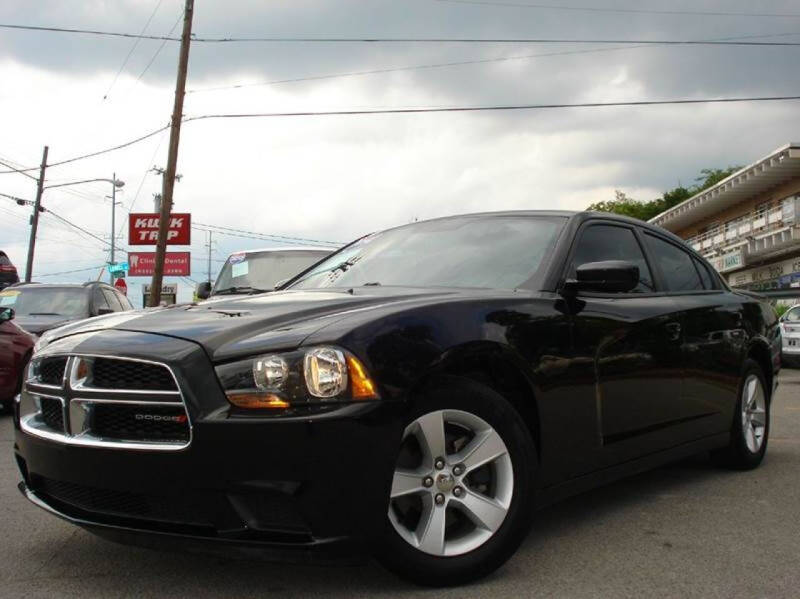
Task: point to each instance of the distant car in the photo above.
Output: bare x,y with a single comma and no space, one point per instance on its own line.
16,347
257,271
790,332
41,307
8,272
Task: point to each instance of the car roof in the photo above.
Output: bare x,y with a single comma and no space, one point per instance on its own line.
289,249
38,285
571,214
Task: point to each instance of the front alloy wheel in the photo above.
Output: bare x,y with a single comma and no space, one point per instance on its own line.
461,496
453,483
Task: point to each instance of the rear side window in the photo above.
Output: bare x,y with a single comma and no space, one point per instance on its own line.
126,303
708,279
99,300
676,265
112,300
609,242
4,261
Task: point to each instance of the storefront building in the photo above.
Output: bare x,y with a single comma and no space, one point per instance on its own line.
748,225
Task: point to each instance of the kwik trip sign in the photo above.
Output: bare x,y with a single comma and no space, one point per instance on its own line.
143,230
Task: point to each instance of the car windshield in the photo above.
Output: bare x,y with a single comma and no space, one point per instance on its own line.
71,302
500,252
793,315
260,271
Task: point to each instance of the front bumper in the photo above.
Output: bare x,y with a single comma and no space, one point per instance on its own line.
287,487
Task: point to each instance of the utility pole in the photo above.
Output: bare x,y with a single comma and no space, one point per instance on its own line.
35,218
209,256
172,158
113,222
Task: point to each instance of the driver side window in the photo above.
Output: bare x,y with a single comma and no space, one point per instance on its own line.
598,243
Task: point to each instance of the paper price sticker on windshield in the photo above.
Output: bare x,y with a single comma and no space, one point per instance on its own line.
239,269
8,298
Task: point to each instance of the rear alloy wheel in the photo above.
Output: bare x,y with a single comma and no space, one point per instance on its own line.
750,431
460,501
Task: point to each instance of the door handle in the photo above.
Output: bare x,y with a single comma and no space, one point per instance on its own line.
673,330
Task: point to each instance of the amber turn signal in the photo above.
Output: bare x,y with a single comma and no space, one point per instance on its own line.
361,385
251,401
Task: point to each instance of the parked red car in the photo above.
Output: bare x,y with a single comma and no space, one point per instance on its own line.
8,272
16,347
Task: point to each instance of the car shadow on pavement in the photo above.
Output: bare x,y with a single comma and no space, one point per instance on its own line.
82,557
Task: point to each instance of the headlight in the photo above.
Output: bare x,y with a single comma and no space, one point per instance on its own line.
326,372
317,376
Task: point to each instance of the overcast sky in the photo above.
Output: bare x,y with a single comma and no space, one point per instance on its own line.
335,178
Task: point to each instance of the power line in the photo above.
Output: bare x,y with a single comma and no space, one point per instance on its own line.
451,64
99,152
160,48
135,44
20,171
496,108
401,40
66,272
264,236
703,13
79,228
492,108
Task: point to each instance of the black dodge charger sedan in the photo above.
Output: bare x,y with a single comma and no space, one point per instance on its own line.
417,394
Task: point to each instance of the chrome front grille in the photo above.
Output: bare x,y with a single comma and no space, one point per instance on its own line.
104,401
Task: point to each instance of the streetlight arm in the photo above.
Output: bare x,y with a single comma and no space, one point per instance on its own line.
114,182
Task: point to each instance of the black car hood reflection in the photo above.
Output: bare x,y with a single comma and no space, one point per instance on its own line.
228,328
37,325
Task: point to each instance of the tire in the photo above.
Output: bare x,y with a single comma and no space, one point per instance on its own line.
463,555
749,439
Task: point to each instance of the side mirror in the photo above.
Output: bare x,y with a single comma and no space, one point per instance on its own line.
6,314
610,276
203,290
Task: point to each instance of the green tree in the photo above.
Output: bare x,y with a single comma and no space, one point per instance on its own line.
627,206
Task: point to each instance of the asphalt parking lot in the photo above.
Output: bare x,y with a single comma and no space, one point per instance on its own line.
687,530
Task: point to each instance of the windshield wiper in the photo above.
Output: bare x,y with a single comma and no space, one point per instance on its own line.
44,314
343,266
372,284
244,289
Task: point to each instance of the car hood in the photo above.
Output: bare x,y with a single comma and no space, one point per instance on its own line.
270,321
39,324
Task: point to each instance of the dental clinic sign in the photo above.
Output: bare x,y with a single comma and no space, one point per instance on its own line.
143,229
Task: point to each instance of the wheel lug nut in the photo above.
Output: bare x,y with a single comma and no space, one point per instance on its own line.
439,499
439,463
458,470
458,492
427,481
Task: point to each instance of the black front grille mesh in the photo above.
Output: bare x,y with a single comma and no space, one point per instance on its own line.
52,413
51,370
108,373
140,422
173,508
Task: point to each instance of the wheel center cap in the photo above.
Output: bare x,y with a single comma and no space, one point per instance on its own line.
445,483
